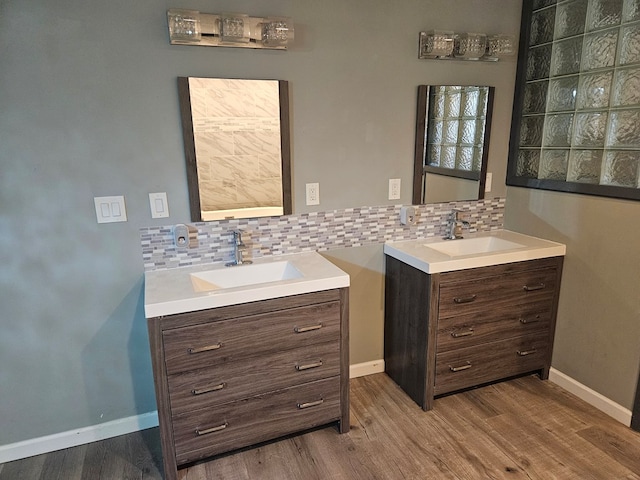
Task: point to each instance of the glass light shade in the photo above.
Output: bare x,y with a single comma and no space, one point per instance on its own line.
470,45
500,46
234,28
184,26
277,31
435,44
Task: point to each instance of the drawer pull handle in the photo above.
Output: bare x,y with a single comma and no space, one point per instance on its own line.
468,299
308,366
208,348
531,288
302,406
212,429
307,329
200,391
468,333
461,367
526,321
524,353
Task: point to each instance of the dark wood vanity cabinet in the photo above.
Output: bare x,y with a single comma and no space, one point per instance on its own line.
235,376
450,331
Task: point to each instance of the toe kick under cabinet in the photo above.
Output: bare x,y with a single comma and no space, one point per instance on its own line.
235,376
450,331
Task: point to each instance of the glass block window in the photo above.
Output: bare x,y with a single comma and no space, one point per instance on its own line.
576,122
455,135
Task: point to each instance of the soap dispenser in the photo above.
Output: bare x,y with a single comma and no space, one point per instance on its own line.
185,236
408,215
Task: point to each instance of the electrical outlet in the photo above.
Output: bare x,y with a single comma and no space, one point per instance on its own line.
394,189
313,194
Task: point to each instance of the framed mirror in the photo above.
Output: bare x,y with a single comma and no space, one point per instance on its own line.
237,147
453,125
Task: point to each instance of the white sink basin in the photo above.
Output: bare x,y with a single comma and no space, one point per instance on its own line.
243,275
200,287
473,246
434,255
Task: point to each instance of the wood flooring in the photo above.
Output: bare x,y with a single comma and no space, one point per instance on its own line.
520,429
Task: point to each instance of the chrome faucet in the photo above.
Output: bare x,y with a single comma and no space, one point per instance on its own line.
455,224
238,244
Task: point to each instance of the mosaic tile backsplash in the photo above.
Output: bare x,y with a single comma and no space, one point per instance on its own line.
321,231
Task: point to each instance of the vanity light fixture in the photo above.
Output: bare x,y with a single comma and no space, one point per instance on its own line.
436,44
470,46
234,28
276,32
184,26
448,45
191,27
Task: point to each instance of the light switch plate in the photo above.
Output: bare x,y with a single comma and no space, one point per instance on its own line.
110,209
487,182
159,205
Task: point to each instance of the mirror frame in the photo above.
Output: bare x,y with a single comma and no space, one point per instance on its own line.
190,148
419,168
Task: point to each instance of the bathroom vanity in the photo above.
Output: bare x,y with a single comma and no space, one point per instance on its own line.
239,365
463,313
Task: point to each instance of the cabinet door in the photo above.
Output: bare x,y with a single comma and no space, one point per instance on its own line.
219,342
211,431
218,384
493,324
466,367
496,293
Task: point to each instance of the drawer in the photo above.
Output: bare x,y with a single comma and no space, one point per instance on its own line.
491,325
223,341
264,417
471,366
218,384
496,293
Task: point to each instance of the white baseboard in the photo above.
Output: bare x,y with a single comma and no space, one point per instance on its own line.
73,438
581,391
366,368
102,431
590,396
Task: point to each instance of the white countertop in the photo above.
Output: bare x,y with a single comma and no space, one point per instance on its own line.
417,253
167,292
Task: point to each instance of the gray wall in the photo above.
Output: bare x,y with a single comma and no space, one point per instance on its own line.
365,266
598,330
88,107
